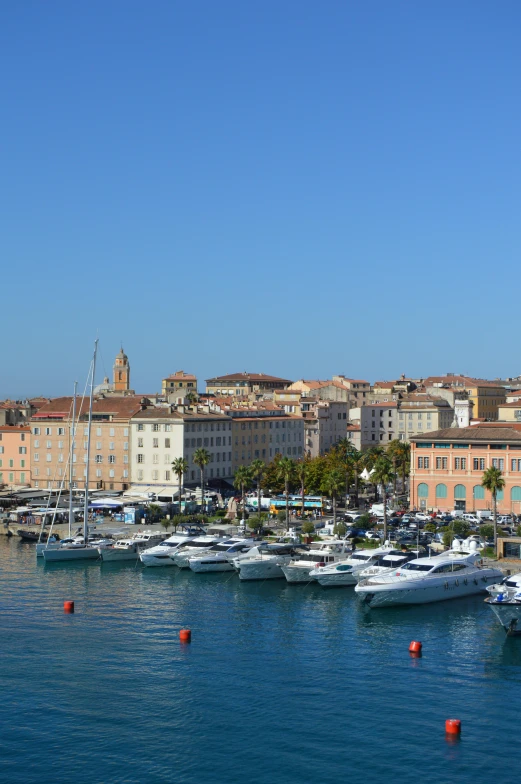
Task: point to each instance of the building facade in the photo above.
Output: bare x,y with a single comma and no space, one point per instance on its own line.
178,384
325,424
245,384
447,467
486,396
15,456
262,434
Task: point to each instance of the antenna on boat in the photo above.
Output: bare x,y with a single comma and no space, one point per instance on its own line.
71,458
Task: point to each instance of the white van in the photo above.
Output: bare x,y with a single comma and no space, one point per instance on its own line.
484,514
471,518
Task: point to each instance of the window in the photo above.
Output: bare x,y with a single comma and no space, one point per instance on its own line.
112,459
111,445
98,459
36,444
61,431
140,475
48,444
478,492
168,428
36,457
167,443
420,462
125,458
140,442
48,458
111,432
140,426
167,476
111,473
98,473
98,444
155,459
22,450
423,490
460,492
481,463
11,463
48,431
36,431
125,474
125,445
475,463
155,428
98,431
125,431
155,443
441,491
140,458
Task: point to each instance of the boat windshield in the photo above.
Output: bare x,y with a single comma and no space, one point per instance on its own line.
196,544
416,567
356,557
391,561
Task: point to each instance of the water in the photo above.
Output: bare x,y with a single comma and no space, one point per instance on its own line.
286,684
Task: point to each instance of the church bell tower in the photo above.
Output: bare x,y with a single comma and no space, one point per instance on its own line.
121,370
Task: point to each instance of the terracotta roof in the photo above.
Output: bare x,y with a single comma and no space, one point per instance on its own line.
246,377
121,407
384,384
180,375
390,404
473,433
15,429
512,404
461,381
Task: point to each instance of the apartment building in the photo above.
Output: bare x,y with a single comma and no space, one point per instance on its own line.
51,436
419,413
486,396
255,384
447,467
358,390
377,423
178,384
161,434
15,456
325,424
262,433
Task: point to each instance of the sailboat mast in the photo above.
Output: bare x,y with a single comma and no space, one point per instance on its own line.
71,459
86,507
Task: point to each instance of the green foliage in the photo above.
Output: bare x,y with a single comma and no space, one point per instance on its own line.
340,529
220,513
518,530
281,516
153,512
255,522
308,527
364,521
165,523
447,538
486,531
430,528
461,527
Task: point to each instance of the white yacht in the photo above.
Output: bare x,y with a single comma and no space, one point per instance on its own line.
505,602
391,560
422,580
160,554
319,554
265,561
347,571
130,548
220,557
197,546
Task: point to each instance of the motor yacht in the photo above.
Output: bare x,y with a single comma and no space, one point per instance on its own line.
160,554
220,557
121,550
423,580
505,602
347,571
319,554
391,560
196,546
265,561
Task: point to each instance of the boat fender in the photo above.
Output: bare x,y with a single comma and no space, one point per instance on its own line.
457,582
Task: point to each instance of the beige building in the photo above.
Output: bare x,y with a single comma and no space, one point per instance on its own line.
486,396
256,384
178,384
15,456
419,413
358,390
264,433
51,435
510,412
325,424
377,423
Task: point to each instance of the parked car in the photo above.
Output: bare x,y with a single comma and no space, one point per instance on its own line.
423,517
505,520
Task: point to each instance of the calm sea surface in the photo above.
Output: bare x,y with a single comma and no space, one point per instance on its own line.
280,684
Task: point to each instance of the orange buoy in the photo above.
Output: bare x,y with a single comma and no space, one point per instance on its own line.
453,726
185,635
415,647
68,607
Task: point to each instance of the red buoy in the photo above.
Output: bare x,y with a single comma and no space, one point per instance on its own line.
415,647
185,635
453,726
68,607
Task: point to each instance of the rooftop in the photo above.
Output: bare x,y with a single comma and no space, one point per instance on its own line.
473,433
245,376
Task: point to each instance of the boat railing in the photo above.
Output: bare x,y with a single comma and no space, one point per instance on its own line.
388,578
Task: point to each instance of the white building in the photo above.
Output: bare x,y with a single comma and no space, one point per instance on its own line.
162,434
325,424
377,422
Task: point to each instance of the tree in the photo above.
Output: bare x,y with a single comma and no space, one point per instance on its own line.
165,523
382,475
394,454
201,458
331,486
154,510
493,481
241,481
308,528
344,450
257,470
403,460
180,467
370,456
192,397
286,470
340,530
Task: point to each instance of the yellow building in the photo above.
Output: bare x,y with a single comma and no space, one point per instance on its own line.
179,382
486,396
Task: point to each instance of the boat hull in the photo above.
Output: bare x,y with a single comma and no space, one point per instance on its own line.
260,570
200,566
158,559
41,546
298,574
409,592
508,615
74,554
336,579
112,554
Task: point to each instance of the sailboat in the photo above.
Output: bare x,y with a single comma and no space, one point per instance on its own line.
78,550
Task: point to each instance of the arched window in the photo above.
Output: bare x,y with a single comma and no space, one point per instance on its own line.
460,491
423,490
441,491
479,492
500,495
516,494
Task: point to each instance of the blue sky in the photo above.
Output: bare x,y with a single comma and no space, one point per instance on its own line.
290,187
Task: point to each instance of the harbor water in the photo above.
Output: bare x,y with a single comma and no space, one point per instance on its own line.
281,683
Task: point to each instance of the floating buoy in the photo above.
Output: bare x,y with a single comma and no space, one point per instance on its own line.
68,607
453,726
415,647
185,635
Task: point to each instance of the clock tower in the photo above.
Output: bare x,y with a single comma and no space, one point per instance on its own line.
121,373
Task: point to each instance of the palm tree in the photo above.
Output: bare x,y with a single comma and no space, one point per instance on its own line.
201,458
382,475
180,467
257,470
493,480
345,449
403,458
331,486
301,471
192,397
357,462
242,479
285,471
393,453
371,455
